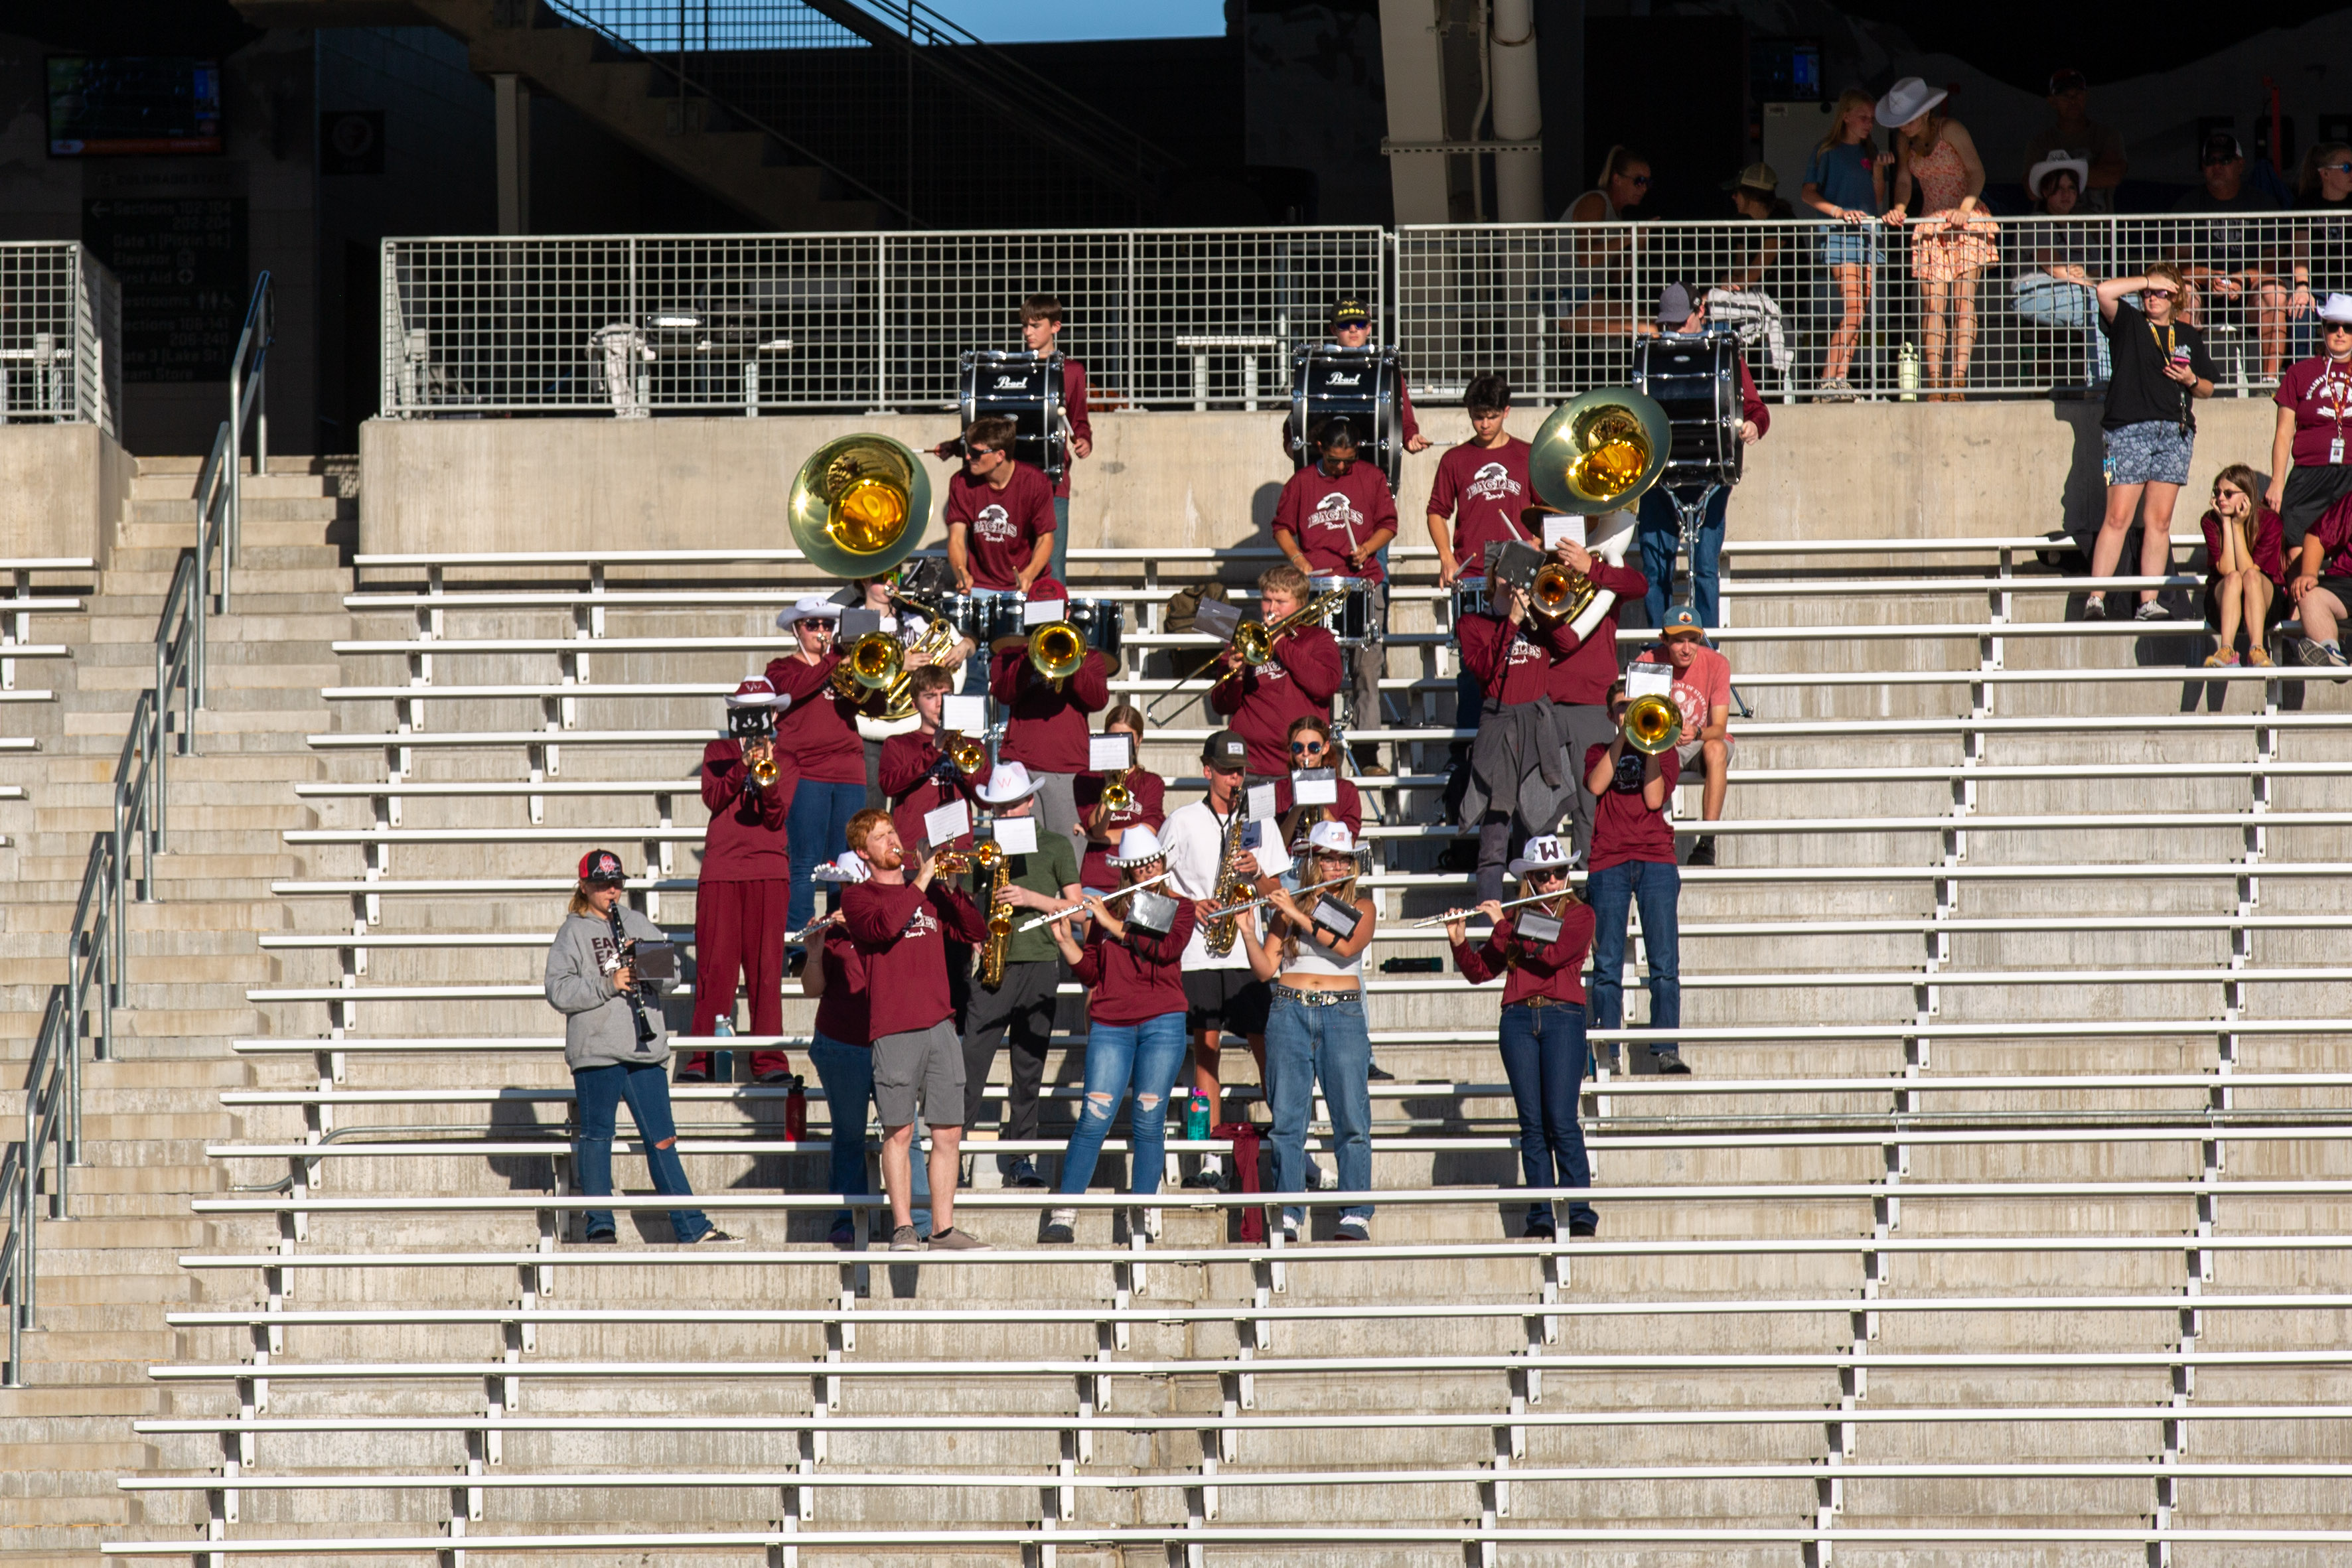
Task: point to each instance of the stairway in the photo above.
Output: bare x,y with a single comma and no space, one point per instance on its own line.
108,1273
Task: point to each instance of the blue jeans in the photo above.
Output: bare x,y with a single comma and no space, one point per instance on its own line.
1144,1057
2054,303
1610,893
598,1093
818,828
847,1074
1062,540
1304,1045
1659,529
1543,1056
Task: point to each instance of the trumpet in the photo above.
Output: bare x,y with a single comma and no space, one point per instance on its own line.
1056,649
1651,725
968,755
763,772
1116,796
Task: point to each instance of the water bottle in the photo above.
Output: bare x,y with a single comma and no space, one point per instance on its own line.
796,1110
1907,374
723,1062
1196,1117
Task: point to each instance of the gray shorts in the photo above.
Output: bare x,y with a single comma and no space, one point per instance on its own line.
921,1070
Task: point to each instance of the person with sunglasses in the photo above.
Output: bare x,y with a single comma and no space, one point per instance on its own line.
1352,327
2160,369
1540,951
2246,572
2311,441
1311,747
2323,239
1333,519
1000,519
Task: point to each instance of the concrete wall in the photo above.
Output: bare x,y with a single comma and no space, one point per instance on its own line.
65,487
1859,471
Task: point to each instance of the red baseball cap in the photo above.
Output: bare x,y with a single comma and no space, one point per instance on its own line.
601,865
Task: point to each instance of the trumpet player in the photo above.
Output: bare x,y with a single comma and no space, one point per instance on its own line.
913,629
1260,703
1045,721
1022,1003
1520,780
1105,817
924,770
818,730
1633,858
742,896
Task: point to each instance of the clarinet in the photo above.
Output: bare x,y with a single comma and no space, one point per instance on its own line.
620,945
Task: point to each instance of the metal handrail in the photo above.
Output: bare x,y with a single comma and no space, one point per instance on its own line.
248,394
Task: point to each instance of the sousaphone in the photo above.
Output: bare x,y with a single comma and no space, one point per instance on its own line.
859,506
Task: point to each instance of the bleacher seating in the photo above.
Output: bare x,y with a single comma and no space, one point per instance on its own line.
2004,1218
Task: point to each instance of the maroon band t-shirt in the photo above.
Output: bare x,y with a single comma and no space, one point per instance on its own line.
1005,524
1329,516
1623,827
1482,491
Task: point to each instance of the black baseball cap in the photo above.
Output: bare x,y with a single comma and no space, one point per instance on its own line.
601,865
1348,312
2220,147
2067,79
1225,748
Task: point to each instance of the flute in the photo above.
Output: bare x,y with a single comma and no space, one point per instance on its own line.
1080,908
1295,892
1466,913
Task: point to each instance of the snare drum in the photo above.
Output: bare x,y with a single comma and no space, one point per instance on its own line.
1352,622
984,614
1098,621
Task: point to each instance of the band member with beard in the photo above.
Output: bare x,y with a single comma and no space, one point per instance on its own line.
901,919
1332,520
1260,703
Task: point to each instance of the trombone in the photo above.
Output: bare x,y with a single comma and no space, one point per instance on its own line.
1056,649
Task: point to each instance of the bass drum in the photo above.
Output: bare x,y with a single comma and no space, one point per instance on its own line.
1694,377
1027,391
1360,385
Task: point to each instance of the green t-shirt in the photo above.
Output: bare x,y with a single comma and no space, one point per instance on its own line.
1054,867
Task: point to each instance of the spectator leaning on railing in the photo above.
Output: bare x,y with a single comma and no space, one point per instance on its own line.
2246,570
1951,244
2311,440
2071,133
1846,181
2150,428
2060,288
2230,257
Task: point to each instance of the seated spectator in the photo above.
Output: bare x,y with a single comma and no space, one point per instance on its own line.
1596,296
2059,287
1846,181
2071,133
1703,692
1740,301
2321,588
2229,257
1952,245
2245,567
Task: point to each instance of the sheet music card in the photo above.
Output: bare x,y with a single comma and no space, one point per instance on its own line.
965,715
1561,530
1263,840
1017,835
1109,753
1258,802
1314,787
1649,681
945,824
1537,930
1042,611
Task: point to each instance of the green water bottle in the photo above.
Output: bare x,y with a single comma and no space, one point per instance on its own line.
1196,1116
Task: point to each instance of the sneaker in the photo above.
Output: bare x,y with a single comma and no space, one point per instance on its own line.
1061,1228
1379,1075
600,1238
2151,610
957,1241
1703,851
1670,1063
1539,1227
842,1234
904,1239
2094,607
2318,653
1289,1228
1352,1230
1023,1174
1583,1229
714,1237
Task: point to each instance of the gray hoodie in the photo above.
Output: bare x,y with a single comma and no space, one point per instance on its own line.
598,1028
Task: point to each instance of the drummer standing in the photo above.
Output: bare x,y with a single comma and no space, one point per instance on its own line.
1332,520
1041,320
1483,487
1000,518
1658,528
1352,327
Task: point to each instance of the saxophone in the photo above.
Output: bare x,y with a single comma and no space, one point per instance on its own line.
991,862
1232,887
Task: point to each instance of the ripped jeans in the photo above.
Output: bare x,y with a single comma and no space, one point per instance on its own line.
1144,1056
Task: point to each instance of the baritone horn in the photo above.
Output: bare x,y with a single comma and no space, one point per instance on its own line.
859,505
1652,724
872,663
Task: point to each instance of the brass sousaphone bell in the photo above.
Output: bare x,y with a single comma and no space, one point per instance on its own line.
859,506
1596,452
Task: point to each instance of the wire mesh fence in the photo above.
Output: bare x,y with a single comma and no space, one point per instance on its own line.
60,336
2002,305
636,326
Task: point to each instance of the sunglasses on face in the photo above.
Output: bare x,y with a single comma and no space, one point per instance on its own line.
1636,179
977,453
1304,747
2336,168
2157,293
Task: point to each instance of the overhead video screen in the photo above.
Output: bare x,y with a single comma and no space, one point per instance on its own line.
133,105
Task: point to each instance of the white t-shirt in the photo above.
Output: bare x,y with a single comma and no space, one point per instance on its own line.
1194,841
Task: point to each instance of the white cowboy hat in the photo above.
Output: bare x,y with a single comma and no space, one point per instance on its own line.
1906,100
1008,784
1543,853
755,692
2051,165
2337,309
1137,846
814,607
849,866
1334,836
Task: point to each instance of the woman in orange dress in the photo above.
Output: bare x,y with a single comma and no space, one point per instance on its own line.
1952,245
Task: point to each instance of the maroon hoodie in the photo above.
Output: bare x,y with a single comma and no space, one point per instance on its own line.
1137,977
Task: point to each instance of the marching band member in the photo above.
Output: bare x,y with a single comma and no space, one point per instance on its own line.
1135,1034
918,776
899,919
1542,1035
743,896
1352,327
1023,1003
1311,747
818,732
1000,513
1259,703
1519,780
1580,681
1221,992
1332,519
1046,724
909,626
1316,1030
841,1048
1633,858
1147,803
1041,323
1483,485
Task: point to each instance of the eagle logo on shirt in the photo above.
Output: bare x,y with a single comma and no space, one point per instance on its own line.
921,924
1336,511
1493,482
994,523
2333,396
